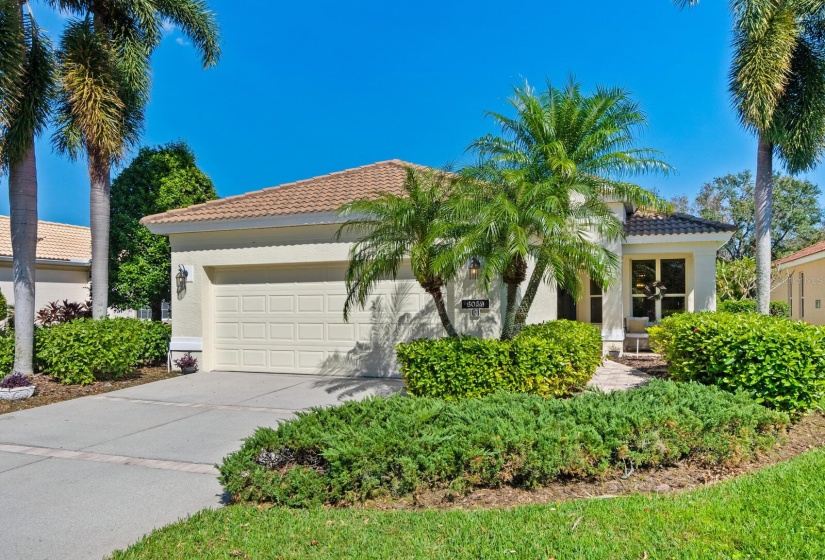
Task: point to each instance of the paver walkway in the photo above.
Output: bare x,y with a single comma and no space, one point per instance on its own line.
613,376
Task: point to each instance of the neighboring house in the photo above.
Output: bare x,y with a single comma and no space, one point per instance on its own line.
64,254
264,288
801,283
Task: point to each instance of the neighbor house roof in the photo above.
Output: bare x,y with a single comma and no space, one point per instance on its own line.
647,223
325,193
59,242
807,251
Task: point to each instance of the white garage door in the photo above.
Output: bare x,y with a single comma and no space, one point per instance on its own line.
289,319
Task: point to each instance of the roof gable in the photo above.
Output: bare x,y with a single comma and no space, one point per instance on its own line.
806,252
644,223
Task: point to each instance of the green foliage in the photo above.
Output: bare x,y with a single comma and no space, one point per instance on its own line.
157,180
82,351
778,308
6,353
396,445
550,360
4,307
781,363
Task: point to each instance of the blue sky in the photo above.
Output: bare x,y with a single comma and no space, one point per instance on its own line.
307,88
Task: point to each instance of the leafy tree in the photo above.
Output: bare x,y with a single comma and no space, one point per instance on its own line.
157,180
104,78
26,90
777,80
396,228
796,221
540,188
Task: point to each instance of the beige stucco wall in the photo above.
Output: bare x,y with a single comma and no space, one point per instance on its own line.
54,283
811,274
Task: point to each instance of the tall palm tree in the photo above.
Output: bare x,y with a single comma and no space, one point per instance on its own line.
104,88
394,228
541,188
26,87
777,81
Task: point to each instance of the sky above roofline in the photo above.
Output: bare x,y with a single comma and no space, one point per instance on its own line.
308,89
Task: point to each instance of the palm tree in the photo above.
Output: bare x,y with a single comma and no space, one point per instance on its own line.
540,190
26,87
395,228
777,81
104,88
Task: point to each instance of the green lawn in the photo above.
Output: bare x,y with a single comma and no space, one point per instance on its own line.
777,513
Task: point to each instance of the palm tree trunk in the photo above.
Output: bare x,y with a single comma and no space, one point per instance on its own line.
529,295
509,313
99,176
763,206
23,210
438,298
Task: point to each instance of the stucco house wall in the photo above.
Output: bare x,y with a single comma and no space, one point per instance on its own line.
801,284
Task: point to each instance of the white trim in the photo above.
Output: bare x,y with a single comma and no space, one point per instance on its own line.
54,262
287,220
186,344
720,238
802,260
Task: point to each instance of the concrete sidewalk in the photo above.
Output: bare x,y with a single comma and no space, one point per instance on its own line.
81,478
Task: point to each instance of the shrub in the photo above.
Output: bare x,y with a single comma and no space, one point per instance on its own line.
781,363
550,360
15,380
64,311
777,308
6,352
83,350
4,307
153,342
397,445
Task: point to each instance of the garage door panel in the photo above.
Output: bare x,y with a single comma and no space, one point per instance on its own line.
290,320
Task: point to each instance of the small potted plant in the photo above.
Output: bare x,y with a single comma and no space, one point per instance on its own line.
613,351
16,387
187,363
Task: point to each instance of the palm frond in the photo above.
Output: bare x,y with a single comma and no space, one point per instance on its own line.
198,23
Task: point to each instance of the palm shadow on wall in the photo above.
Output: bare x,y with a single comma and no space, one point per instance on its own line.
372,366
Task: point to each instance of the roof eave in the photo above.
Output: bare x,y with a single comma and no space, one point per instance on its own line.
285,220
84,263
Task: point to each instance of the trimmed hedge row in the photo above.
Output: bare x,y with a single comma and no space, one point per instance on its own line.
397,445
84,350
781,363
552,360
777,308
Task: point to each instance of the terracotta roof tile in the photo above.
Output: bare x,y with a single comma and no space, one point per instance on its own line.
62,242
642,223
812,250
318,194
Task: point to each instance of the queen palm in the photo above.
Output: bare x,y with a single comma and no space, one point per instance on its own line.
777,81
26,86
539,192
393,228
104,88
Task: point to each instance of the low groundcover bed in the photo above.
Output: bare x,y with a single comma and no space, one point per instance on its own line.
393,446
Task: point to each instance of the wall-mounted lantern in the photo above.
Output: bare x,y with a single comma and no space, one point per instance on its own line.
180,278
474,267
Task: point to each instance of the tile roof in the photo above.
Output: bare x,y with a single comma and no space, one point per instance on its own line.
318,194
62,242
812,250
643,223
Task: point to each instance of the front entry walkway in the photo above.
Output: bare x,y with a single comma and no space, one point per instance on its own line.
81,478
613,376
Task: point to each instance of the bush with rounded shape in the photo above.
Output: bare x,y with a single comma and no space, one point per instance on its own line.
552,360
395,446
780,362
777,308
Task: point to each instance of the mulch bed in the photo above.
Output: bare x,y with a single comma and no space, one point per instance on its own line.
50,391
806,435
652,365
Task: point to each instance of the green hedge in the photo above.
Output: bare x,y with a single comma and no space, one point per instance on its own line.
780,362
777,308
551,360
397,445
84,350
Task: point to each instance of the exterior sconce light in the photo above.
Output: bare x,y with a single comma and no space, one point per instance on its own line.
474,267
180,278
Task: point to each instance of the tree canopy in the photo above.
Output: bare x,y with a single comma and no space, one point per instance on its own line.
157,180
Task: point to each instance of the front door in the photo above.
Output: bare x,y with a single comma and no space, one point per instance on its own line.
566,306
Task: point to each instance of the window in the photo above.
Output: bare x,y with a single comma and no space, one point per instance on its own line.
595,302
144,314
165,311
645,273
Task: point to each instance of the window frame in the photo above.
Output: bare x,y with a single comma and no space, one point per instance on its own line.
658,275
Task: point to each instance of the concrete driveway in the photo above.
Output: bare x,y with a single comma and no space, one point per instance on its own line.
81,478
